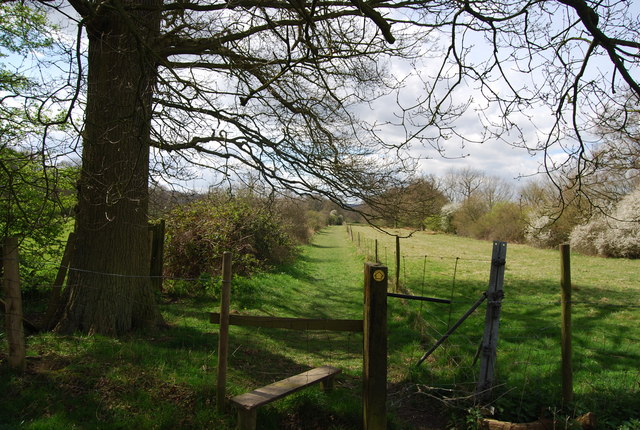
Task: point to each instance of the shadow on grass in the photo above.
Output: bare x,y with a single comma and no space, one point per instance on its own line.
606,351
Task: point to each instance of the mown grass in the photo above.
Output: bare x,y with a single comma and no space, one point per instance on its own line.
167,379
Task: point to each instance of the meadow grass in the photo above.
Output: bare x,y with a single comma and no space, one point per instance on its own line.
167,379
605,315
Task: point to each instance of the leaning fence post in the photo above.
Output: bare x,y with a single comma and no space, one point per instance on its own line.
489,345
13,304
223,337
565,283
56,291
375,347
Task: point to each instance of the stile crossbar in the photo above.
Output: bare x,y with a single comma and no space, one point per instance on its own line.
419,298
290,323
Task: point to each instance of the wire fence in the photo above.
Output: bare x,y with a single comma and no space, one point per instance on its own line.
605,329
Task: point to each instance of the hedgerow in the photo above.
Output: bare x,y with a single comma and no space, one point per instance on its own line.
200,232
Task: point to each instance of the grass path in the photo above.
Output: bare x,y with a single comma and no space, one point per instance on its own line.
324,282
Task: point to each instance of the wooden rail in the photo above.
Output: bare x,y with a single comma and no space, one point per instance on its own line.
290,323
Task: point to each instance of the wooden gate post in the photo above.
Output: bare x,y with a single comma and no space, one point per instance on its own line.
375,347
157,254
13,304
223,337
397,264
565,283
489,345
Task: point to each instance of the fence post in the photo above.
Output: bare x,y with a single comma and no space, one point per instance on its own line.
377,259
397,264
489,345
565,284
375,347
13,304
157,254
223,337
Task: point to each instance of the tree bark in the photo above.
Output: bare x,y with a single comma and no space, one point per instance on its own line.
109,290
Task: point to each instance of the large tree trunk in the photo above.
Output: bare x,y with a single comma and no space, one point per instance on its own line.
109,289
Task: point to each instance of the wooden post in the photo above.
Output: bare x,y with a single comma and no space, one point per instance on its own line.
397,264
157,254
565,284
377,259
375,347
54,298
358,240
13,304
223,337
492,321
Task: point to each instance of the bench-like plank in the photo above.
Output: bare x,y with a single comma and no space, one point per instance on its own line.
277,390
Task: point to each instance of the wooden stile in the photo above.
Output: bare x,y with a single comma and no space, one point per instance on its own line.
374,326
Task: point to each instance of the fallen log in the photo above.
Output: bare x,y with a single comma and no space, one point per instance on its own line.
587,421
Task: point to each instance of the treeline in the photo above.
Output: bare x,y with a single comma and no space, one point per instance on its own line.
541,212
264,229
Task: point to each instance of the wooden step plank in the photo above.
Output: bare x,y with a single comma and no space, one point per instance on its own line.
277,390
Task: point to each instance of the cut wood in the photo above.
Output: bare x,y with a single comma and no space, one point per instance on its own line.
587,421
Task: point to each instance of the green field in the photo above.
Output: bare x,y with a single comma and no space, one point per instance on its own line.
606,317
167,379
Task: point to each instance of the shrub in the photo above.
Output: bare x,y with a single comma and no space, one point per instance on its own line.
36,202
504,222
446,217
615,236
295,220
467,214
335,218
550,229
199,233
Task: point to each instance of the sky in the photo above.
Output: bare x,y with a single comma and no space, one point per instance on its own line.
494,157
